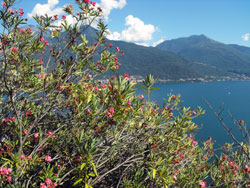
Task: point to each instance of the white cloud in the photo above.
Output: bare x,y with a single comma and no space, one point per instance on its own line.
49,8
158,42
70,20
137,31
246,37
108,5
114,36
143,44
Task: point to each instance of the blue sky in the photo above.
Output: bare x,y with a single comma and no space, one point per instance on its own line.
147,22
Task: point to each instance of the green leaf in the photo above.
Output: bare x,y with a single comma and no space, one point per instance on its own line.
154,88
92,174
82,166
94,168
78,181
154,173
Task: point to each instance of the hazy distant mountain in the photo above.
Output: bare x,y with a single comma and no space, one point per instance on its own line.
243,49
140,60
228,58
180,59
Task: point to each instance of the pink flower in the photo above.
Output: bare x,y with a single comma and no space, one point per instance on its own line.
14,49
203,184
63,17
111,111
8,179
3,4
42,185
88,111
21,13
48,181
86,1
29,157
46,43
141,97
56,17
48,159
62,62
126,76
115,58
22,157
9,170
41,39
25,131
246,167
11,11
40,75
224,157
5,171
41,61
175,178
194,142
49,133
36,135
128,104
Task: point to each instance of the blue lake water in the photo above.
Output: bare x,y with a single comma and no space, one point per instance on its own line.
235,95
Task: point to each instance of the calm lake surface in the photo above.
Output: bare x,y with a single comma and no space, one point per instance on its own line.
235,95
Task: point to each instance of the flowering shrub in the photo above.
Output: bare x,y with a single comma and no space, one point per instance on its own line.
61,127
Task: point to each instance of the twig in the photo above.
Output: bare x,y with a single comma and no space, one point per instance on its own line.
225,127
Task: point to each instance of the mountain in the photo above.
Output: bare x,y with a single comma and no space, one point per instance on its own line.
168,65
139,60
226,58
243,49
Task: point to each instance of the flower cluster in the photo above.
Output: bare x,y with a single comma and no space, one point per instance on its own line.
48,184
5,172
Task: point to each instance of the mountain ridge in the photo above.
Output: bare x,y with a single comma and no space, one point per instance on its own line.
228,58
170,65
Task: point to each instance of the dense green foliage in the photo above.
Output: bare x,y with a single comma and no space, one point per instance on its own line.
61,127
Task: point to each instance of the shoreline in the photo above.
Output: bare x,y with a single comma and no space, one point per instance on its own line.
139,79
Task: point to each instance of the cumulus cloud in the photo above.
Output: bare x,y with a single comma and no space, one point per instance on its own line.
246,37
49,9
158,42
108,5
137,31
114,35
